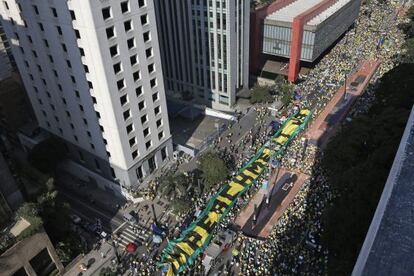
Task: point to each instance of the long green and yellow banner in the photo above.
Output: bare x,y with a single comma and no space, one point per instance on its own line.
181,253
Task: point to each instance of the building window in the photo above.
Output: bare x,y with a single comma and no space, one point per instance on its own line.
164,153
54,12
72,15
152,164
146,132
124,7
147,36
110,32
153,82
136,75
151,68
144,19
138,91
140,173
123,99
117,68
141,105
159,123
130,128
113,50
144,119
131,43
106,13
36,10
59,30
127,114
133,60
157,110
148,52
128,25
141,3
132,141
155,97
120,84
148,144
134,154
161,135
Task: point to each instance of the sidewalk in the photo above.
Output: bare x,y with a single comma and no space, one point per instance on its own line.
238,130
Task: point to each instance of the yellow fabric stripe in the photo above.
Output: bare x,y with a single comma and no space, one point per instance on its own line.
225,200
186,248
235,188
203,233
249,173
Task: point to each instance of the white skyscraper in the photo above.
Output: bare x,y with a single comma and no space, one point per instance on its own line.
205,49
93,74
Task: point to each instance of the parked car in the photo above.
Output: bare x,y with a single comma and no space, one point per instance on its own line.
130,219
75,219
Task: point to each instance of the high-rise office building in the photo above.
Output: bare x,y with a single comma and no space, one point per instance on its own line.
6,58
204,49
93,73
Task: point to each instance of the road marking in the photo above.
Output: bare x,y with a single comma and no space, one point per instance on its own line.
119,227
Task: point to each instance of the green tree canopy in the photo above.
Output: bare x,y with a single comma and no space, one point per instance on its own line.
214,170
260,94
357,161
408,46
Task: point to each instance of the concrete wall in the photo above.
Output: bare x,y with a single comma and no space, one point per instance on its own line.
22,252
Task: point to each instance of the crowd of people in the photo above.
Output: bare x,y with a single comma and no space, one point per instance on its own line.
293,246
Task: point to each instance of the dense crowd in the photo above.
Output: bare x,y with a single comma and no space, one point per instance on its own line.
293,246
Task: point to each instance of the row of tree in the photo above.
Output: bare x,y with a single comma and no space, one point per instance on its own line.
282,90
179,188
408,29
358,160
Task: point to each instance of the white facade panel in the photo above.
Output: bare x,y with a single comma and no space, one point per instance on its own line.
205,49
85,87
277,31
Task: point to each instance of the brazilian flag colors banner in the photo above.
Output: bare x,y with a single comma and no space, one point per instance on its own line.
181,253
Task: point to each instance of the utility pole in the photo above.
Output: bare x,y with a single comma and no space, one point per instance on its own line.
116,251
153,212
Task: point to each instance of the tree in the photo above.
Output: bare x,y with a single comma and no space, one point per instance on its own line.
410,13
180,205
213,169
284,89
30,212
68,248
173,185
46,155
357,161
408,46
260,95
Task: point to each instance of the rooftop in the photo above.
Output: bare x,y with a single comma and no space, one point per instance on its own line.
288,13
388,248
328,12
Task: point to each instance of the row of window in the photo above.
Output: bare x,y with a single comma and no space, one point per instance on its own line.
125,8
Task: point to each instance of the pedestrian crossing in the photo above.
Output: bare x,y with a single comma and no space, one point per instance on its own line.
133,234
